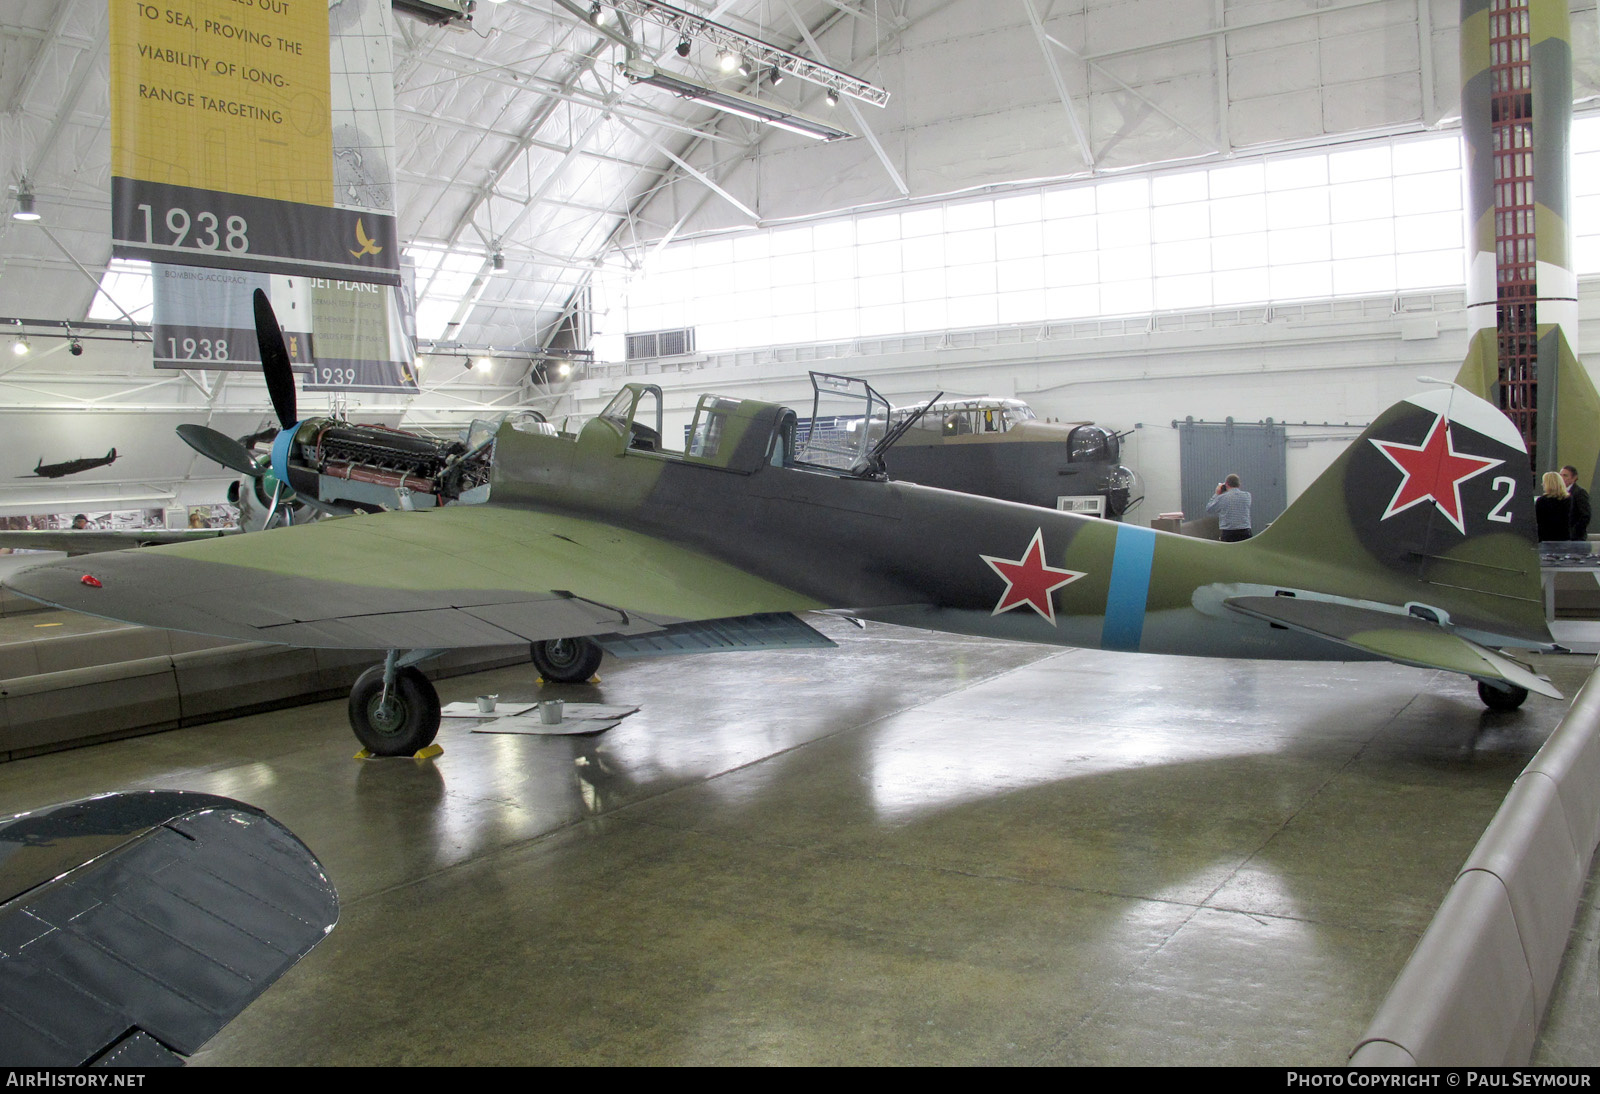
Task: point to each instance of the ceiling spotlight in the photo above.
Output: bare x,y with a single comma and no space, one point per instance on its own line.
499,260
24,210
683,47
76,349
20,347
832,97
483,364
775,77
598,15
744,67
728,60
563,369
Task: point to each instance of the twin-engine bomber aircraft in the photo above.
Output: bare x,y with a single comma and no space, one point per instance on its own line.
1417,546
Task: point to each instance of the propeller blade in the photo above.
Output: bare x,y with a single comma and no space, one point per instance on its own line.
272,510
275,362
219,448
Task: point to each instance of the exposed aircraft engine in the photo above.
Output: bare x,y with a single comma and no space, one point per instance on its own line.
373,466
395,459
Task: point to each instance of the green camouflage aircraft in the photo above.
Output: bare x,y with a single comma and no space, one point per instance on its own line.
1415,546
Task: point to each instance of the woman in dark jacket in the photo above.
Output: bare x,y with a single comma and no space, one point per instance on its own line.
1553,510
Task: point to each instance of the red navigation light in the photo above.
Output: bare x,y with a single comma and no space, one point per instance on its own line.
90,580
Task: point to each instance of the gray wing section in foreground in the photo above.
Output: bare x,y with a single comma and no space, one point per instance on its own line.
135,926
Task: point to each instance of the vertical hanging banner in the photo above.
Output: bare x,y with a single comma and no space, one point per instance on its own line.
236,144
205,318
360,340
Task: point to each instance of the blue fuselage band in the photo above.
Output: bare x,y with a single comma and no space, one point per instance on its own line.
1130,588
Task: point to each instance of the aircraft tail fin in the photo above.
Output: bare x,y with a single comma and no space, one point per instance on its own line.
1431,509
1568,437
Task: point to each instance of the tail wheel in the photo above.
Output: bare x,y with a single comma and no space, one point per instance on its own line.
404,723
1508,697
566,660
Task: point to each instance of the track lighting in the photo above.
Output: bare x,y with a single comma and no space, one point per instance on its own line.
832,97
728,60
744,67
775,77
598,15
76,349
683,47
20,347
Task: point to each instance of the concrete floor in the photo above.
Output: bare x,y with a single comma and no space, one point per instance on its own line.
912,849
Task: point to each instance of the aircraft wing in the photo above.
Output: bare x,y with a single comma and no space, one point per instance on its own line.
461,576
135,926
89,542
1402,638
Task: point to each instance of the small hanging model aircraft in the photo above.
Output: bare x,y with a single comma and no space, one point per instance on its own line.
73,467
1417,546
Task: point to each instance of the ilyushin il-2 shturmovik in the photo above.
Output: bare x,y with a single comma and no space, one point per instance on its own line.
1417,546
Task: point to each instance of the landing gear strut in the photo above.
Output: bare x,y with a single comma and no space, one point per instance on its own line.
394,709
566,660
1507,697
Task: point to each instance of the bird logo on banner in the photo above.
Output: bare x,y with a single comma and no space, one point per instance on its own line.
368,246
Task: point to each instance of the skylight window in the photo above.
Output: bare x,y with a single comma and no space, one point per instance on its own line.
127,282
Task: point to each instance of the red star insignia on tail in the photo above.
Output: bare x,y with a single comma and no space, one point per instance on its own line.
1433,472
1029,581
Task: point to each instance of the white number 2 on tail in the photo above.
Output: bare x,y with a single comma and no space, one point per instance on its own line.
1501,512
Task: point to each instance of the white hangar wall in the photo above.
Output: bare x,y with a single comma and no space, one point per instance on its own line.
1317,293
1340,362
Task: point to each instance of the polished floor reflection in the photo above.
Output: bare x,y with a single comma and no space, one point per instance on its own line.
913,849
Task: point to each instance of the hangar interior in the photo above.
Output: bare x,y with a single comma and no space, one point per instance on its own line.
1127,213
1132,212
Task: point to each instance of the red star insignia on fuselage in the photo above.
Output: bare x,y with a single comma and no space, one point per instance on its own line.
1433,472
1029,581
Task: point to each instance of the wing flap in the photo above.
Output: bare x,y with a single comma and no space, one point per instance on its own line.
1401,638
770,631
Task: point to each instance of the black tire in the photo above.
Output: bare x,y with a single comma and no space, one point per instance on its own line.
1503,699
406,724
566,660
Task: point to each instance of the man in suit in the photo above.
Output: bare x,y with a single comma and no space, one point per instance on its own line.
1580,504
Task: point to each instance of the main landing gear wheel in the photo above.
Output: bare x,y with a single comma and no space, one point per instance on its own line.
1502,699
403,724
566,660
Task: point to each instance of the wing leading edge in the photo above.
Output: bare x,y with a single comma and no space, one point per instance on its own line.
460,576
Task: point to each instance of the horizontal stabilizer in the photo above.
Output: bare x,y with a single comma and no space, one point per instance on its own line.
135,926
1401,638
766,631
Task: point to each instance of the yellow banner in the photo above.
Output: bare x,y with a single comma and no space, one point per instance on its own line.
223,95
